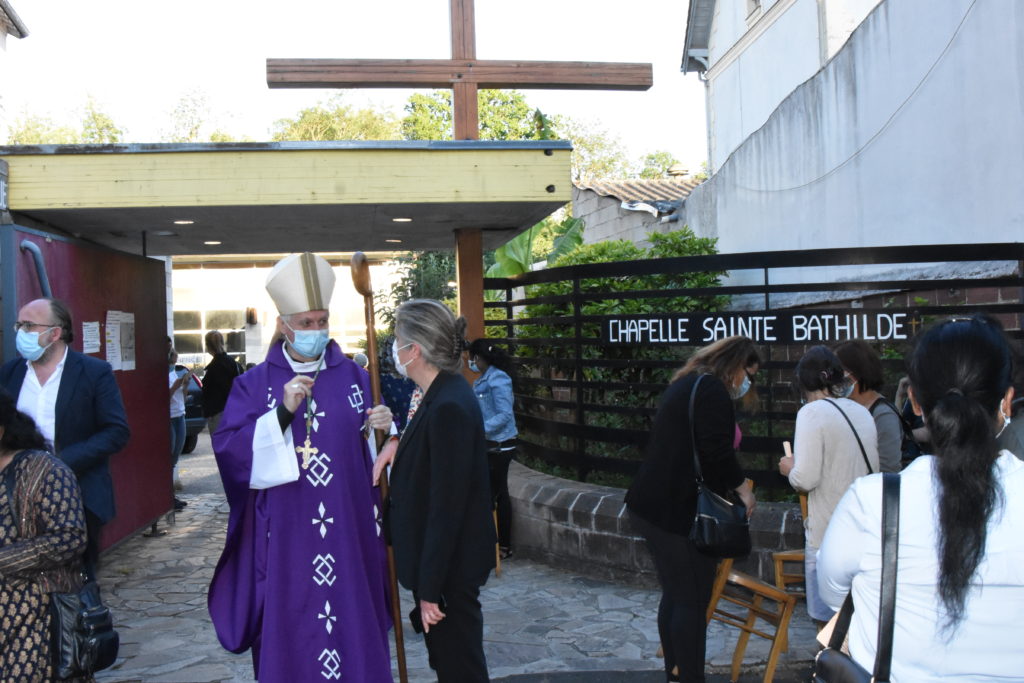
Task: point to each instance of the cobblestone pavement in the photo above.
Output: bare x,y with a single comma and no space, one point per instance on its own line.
540,623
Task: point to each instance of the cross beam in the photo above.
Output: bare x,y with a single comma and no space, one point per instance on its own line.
445,73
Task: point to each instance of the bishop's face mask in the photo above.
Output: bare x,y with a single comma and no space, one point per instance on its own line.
309,343
28,344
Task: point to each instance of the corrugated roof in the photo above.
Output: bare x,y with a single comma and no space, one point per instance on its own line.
661,189
11,22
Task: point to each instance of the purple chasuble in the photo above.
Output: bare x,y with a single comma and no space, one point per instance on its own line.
303,577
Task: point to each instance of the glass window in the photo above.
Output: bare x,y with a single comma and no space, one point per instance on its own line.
188,343
187,320
224,320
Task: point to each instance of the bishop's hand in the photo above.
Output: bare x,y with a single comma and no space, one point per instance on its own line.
296,391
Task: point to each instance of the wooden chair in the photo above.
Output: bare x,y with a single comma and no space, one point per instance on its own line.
783,577
750,595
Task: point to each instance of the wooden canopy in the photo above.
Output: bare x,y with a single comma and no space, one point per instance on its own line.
175,199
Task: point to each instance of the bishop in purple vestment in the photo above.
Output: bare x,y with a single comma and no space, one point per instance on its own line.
302,581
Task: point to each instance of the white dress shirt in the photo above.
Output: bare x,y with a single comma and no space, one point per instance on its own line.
987,644
40,401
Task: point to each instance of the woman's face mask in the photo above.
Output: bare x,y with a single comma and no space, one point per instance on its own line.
742,389
399,365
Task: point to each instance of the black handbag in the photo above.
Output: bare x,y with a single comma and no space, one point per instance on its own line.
720,527
82,635
832,665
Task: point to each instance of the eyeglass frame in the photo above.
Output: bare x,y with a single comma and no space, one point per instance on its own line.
28,325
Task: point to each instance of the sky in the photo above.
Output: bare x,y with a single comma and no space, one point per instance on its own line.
138,58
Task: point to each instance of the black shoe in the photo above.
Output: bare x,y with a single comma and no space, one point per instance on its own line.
179,504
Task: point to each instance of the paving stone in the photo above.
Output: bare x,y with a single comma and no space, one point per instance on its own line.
538,621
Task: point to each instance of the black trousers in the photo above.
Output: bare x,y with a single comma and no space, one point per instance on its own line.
498,462
456,645
686,578
90,560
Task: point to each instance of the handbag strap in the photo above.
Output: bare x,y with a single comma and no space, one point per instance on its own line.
863,453
693,436
890,561
887,589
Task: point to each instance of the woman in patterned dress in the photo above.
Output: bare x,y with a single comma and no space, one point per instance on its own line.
39,554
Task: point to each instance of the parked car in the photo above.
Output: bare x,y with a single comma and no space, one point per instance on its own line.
194,420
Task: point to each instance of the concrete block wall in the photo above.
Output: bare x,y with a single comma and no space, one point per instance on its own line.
585,528
605,219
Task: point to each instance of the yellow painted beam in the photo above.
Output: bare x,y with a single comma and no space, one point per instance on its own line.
286,177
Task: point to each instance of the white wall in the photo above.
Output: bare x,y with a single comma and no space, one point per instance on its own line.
896,141
758,60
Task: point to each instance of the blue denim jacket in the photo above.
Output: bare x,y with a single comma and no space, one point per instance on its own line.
494,391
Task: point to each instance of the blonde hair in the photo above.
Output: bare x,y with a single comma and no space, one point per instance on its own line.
721,359
431,325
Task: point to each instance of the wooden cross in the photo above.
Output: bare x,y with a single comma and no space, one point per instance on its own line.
463,73
307,451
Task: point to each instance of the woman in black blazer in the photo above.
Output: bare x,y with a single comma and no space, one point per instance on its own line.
439,512
662,499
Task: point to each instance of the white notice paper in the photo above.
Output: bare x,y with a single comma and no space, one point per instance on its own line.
91,337
127,341
113,339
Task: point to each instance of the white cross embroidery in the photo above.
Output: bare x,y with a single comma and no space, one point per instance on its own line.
327,617
355,399
324,521
376,518
318,474
323,568
271,401
331,661
316,414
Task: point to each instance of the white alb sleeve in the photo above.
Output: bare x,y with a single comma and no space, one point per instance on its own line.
273,454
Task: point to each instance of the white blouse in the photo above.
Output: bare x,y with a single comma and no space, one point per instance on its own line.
986,646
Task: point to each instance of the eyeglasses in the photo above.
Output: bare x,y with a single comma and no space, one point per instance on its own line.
27,325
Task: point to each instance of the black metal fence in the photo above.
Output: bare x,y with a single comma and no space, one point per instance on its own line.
595,345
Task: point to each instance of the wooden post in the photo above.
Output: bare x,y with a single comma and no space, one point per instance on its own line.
469,269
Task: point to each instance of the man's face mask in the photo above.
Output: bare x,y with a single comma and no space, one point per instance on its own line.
309,343
28,344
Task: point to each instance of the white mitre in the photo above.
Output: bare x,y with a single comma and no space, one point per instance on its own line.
301,282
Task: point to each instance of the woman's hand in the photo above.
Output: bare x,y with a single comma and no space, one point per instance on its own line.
746,494
430,614
379,417
384,458
785,465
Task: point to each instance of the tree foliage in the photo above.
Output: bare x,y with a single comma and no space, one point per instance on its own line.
423,275
596,153
95,127
98,127
190,114
656,164
336,120
503,114
33,129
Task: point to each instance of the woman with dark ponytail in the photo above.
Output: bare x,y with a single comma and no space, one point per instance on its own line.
960,583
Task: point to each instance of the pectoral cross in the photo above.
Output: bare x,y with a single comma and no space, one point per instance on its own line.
307,451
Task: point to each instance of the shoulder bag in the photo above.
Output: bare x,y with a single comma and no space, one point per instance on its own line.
720,527
863,453
832,665
82,635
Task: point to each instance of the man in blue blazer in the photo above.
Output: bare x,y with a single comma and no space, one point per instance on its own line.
75,402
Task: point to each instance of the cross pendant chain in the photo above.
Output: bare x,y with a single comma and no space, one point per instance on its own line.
307,451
